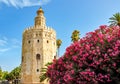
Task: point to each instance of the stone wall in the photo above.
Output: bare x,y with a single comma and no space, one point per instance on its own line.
38,48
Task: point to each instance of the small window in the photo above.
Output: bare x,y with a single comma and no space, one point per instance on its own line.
38,41
47,41
37,70
29,42
38,56
54,57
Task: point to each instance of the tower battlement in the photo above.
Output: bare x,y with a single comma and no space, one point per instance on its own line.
50,29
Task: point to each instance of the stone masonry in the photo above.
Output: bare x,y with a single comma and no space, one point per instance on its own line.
38,48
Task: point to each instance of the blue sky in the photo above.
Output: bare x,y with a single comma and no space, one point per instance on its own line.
63,15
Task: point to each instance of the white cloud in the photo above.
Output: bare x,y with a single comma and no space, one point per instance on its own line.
8,44
24,3
4,50
3,42
4,1
16,41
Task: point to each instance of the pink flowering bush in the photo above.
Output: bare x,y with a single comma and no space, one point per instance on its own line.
95,59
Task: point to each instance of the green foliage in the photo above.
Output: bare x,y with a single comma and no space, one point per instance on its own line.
49,63
9,76
14,74
44,70
115,20
0,73
75,35
5,73
43,77
59,42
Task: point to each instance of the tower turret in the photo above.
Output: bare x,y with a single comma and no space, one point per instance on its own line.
40,19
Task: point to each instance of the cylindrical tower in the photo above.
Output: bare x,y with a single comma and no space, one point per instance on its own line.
38,48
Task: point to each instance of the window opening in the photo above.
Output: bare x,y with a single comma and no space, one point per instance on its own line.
37,70
54,57
37,58
38,41
47,41
29,42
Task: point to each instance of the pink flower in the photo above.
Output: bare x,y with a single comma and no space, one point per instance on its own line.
75,58
87,47
94,59
114,64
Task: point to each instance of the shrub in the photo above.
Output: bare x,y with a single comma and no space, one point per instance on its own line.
95,59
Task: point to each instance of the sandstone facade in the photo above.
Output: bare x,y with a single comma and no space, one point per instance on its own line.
38,48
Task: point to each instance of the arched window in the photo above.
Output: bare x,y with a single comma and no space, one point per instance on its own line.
38,56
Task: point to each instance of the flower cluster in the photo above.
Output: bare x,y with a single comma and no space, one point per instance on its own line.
94,59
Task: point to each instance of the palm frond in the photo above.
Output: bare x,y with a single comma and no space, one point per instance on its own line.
111,25
43,77
43,70
49,63
112,18
115,19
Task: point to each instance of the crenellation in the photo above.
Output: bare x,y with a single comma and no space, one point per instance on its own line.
50,29
28,29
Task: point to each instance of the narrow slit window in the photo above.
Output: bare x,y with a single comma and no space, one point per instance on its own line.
54,57
38,41
47,41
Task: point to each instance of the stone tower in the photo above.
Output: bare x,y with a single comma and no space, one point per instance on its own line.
38,48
